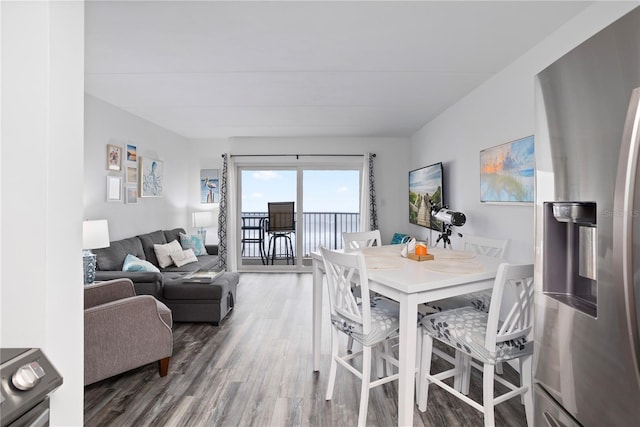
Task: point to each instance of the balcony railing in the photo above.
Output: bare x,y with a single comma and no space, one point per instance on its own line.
318,229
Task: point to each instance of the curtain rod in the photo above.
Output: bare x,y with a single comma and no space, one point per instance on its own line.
298,155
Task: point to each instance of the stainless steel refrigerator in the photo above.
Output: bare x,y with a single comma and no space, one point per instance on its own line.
587,348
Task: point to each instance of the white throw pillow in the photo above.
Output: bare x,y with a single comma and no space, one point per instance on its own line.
163,253
184,257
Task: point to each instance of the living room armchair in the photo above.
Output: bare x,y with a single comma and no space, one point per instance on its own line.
123,331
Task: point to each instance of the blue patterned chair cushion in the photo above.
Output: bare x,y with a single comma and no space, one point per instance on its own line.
399,238
133,263
194,243
465,329
384,323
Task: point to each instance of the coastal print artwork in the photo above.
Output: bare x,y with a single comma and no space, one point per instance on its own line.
151,177
209,186
507,172
132,153
425,192
114,157
132,175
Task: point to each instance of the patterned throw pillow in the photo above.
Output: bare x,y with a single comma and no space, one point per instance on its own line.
133,263
163,253
193,242
183,257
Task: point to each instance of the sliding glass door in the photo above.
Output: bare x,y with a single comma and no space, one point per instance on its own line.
326,204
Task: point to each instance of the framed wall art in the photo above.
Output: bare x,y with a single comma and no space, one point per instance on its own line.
114,157
507,172
209,186
132,153
132,175
131,195
114,189
151,177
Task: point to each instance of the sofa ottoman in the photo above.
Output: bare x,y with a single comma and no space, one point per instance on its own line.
200,302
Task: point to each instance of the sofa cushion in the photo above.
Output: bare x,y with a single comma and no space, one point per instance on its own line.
193,242
164,252
205,262
174,234
150,239
133,263
112,258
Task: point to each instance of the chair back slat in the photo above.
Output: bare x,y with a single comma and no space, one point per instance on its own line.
343,271
362,239
518,322
486,246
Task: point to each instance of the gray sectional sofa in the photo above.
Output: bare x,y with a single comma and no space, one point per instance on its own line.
189,302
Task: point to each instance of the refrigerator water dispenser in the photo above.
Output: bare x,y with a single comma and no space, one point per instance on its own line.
570,254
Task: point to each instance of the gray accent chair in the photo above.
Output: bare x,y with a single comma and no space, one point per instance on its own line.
123,331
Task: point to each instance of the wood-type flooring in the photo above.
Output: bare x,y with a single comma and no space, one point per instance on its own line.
255,369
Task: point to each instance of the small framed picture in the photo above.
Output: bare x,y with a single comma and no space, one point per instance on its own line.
132,153
114,157
131,195
132,175
114,189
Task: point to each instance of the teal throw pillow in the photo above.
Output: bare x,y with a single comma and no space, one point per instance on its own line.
133,263
399,238
193,242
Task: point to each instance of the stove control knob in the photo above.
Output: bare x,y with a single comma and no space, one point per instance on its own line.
27,376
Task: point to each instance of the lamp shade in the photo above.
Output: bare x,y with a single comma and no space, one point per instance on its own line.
95,234
203,219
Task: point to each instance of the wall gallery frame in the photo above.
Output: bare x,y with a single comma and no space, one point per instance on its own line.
132,175
131,195
132,153
114,189
507,172
114,157
151,177
209,186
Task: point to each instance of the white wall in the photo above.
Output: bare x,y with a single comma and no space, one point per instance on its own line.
106,124
499,111
42,57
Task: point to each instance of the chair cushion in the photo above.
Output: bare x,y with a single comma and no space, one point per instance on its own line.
478,300
384,323
465,329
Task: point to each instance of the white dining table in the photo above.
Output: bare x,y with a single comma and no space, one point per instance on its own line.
411,283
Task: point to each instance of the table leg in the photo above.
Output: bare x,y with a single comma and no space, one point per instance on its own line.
406,382
317,314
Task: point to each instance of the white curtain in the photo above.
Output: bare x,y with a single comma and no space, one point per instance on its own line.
368,210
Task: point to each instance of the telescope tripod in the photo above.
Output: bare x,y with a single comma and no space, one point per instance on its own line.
445,235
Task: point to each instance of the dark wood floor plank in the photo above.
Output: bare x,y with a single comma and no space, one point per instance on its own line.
255,370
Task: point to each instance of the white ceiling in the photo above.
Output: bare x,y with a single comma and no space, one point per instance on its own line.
207,69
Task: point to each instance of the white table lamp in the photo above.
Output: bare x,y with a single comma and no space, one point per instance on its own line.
201,220
95,235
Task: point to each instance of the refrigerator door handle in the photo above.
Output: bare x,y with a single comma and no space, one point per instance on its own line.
624,218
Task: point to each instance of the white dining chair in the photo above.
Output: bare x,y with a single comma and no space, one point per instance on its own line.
369,322
361,239
480,300
475,334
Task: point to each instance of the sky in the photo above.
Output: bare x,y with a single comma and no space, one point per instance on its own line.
324,191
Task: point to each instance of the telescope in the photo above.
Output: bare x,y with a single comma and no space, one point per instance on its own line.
448,216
